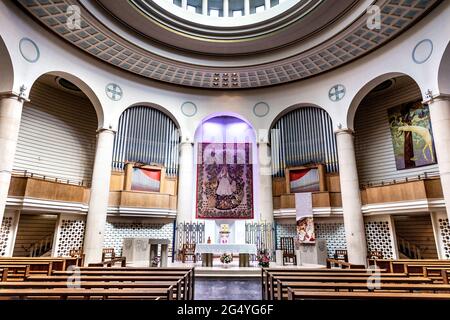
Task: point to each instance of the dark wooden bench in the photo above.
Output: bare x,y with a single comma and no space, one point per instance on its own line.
316,295
281,270
269,274
344,279
177,289
185,276
282,287
83,293
403,265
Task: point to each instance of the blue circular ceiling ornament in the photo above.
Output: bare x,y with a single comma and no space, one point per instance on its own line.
114,91
336,92
29,50
261,109
189,109
422,51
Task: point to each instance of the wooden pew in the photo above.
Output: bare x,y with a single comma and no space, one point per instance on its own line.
343,279
83,293
445,276
186,284
176,285
188,280
181,269
59,263
325,286
3,274
24,269
15,272
273,270
401,265
270,276
316,295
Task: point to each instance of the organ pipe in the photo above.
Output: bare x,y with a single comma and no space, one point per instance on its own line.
148,136
301,137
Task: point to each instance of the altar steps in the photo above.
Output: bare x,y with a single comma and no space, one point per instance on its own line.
227,272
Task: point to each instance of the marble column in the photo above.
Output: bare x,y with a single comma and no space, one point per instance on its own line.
98,202
185,182
351,198
265,182
184,4
440,122
11,105
267,4
205,7
246,7
226,8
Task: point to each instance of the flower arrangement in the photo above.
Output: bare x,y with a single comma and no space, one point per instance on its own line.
226,258
263,258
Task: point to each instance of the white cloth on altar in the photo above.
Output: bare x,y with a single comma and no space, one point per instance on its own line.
225,248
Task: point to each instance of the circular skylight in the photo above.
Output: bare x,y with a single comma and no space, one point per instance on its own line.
223,13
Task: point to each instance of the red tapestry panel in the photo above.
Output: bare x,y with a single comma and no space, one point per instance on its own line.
224,181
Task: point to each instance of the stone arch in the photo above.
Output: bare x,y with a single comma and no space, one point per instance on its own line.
6,70
85,88
365,89
444,72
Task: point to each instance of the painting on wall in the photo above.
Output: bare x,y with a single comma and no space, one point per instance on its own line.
144,179
412,136
224,181
304,180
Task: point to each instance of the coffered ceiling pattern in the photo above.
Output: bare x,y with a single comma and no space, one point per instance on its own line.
353,42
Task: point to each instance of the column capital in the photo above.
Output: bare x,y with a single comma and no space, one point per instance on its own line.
344,131
264,142
101,130
186,143
437,97
14,95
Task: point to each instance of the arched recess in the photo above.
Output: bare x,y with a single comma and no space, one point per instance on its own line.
147,134
444,72
364,90
85,89
57,136
6,69
301,135
386,112
227,179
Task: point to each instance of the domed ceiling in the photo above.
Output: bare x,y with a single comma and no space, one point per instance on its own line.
227,44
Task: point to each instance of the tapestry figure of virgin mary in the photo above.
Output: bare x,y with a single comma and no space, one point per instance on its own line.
224,181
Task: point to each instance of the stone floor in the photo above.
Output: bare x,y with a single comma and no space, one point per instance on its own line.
227,289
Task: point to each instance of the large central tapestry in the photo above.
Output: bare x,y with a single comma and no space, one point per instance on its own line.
224,181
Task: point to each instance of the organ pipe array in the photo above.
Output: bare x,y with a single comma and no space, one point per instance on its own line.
303,136
149,136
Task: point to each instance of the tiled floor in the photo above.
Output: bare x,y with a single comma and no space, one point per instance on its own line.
227,289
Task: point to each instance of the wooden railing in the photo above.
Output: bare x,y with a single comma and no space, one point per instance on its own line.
41,246
27,174
408,249
419,177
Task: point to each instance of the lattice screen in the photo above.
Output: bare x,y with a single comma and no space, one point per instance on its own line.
444,229
334,234
70,236
378,237
5,234
115,232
